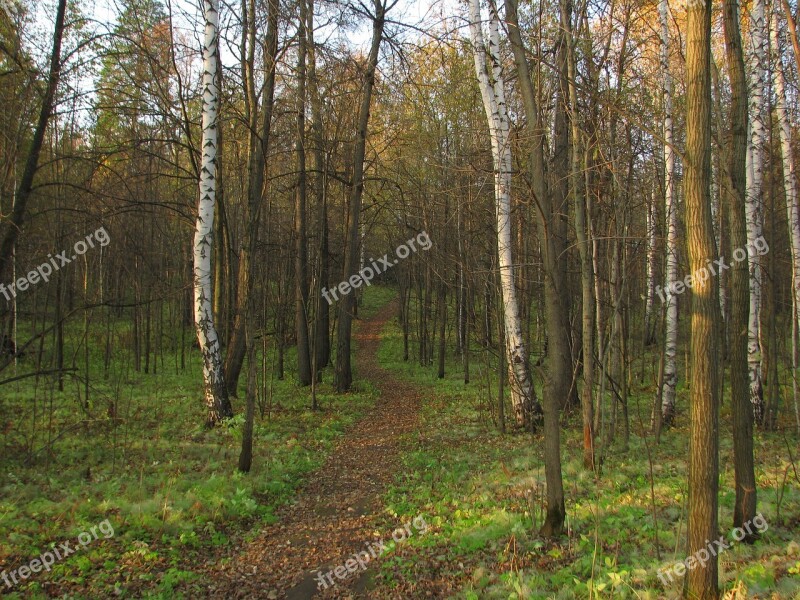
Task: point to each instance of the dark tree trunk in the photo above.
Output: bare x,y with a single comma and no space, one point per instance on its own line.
552,235
10,232
344,371
246,455
735,187
301,242
322,341
259,145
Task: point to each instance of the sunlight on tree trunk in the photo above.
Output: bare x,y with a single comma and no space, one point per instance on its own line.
216,393
704,385
488,68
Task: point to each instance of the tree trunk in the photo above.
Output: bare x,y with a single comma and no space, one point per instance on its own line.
789,180
789,172
704,394
550,225
442,310
259,145
488,68
650,315
246,454
301,242
792,30
463,296
671,210
322,341
758,97
344,371
736,142
587,274
216,394
12,229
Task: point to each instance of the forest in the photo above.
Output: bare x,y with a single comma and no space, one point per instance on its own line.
399,299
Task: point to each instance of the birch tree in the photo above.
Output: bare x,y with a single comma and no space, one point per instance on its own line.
757,58
489,70
216,393
651,218
671,209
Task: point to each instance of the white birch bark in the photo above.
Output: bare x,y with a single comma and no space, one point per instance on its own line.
759,86
790,189
214,386
671,209
652,258
487,62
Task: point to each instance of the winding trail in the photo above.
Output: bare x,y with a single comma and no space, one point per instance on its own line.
336,512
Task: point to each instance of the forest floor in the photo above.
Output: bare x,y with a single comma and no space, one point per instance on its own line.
337,513
426,458
402,489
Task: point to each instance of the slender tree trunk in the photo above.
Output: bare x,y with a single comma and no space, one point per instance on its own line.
442,310
736,183
716,204
650,315
301,242
670,382
704,387
344,371
562,356
216,393
10,232
552,240
789,182
463,295
722,227
246,454
587,274
789,176
488,68
792,30
758,97
322,343
259,145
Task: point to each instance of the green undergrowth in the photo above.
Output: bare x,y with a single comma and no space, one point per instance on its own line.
483,493
138,454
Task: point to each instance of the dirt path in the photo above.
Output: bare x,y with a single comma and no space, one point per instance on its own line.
336,513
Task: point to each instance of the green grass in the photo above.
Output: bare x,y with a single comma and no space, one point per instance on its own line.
483,494
138,454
